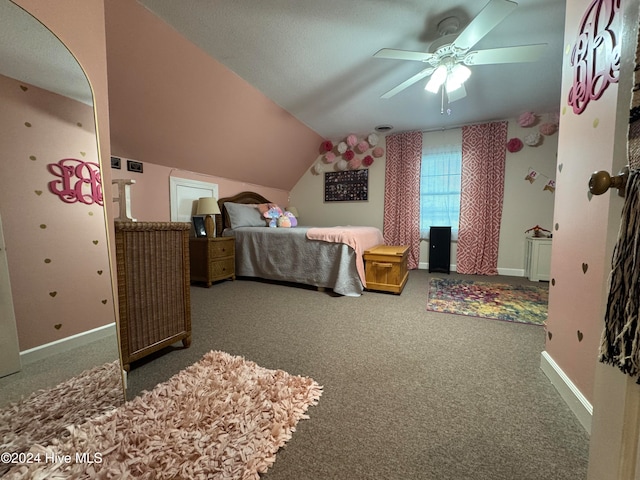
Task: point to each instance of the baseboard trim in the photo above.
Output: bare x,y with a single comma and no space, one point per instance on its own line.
425,266
577,402
511,272
65,344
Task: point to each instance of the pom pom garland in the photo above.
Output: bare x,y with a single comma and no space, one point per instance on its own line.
363,146
378,152
343,154
514,145
527,119
355,164
533,139
548,128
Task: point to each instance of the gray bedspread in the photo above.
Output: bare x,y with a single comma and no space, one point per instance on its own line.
286,254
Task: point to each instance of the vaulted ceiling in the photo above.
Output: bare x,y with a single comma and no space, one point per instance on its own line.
315,59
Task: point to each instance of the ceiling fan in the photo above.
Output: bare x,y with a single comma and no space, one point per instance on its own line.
450,56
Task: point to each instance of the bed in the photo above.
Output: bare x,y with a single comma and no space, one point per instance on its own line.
320,257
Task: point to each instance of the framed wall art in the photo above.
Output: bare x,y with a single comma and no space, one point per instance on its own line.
346,186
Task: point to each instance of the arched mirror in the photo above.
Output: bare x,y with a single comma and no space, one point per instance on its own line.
57,315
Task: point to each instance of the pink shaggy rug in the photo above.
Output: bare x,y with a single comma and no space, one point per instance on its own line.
45,414
222,418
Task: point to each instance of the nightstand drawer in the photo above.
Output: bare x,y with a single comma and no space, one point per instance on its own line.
212,259
222,248
222,268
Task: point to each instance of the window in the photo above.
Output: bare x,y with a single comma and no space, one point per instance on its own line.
440,189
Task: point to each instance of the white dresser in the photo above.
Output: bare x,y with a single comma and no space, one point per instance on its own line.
537,260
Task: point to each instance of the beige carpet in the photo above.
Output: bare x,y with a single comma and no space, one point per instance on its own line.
44,415
221,418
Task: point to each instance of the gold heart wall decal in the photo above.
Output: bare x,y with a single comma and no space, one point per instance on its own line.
580,335
550,335
585,267
32,157
53,294
47,260
99,272
43,226
57,326
83,153
91,214
79,124
560,167
104,302
23,88
27,124
589,195
553,282
95,242
38,192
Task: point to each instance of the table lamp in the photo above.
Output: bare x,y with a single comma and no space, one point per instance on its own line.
208,206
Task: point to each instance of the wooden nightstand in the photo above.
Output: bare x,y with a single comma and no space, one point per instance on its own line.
212,259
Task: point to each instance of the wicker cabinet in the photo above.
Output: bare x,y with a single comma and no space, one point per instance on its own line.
153,287
212,259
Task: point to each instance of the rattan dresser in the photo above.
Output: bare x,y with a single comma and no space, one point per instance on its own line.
153,287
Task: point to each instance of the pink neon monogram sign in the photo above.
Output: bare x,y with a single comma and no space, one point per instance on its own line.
596,55
79,181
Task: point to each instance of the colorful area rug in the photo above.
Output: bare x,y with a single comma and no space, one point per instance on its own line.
221,418
497,301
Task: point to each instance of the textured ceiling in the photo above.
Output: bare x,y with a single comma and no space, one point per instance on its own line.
315,58
29,52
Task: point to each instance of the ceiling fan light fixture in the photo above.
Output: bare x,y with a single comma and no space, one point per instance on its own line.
460,74
438,77
451,84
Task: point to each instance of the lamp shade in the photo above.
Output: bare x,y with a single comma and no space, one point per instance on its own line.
438,77
207,206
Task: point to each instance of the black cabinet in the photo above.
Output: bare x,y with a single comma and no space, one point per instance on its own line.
440,249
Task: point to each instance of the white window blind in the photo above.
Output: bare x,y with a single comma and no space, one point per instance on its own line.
440,189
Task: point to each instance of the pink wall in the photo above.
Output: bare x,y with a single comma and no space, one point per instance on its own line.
59,276
150,194
172,105
581,242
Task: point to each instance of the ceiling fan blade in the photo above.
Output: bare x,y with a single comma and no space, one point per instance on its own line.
491,15
407,83
524,53
403,55
457,94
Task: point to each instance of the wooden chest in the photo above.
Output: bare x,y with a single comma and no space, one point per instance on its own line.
386,268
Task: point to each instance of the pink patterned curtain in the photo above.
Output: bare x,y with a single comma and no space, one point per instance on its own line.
483,156
402,193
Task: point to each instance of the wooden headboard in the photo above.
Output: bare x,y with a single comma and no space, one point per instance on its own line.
222,220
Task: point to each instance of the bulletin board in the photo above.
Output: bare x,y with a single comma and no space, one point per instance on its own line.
346,186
